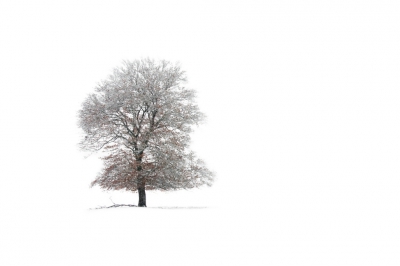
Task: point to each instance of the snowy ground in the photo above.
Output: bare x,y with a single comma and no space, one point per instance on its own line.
179,229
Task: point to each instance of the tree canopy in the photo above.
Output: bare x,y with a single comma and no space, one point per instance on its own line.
142,117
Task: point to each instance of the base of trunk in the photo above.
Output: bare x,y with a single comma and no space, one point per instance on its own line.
142,197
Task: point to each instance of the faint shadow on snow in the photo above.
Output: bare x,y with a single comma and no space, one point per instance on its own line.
177,207
162,207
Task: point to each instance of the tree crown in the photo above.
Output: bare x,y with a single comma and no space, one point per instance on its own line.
141,116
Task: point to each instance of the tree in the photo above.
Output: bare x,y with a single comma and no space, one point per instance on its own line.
141,117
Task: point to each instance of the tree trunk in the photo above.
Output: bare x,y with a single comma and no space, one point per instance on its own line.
142,196
141,183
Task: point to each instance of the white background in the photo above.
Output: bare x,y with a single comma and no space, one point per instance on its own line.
302,99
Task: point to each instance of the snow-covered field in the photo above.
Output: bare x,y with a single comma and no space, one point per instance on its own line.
262,227
302,99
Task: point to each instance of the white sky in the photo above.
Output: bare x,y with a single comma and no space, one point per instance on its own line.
302,99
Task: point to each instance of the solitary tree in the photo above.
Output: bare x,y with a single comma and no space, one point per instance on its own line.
141,117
